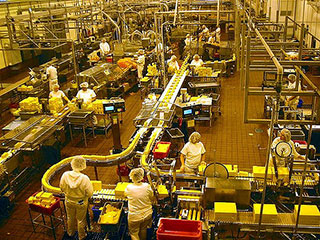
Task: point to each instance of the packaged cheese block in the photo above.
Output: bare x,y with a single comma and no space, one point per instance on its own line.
162,190
259,172
225,211
119,190
269,215
47,195
97,185
309,215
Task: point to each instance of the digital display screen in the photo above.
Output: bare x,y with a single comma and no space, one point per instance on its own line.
187,112
108,108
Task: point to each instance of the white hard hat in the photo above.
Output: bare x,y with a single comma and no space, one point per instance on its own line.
84,84
78,163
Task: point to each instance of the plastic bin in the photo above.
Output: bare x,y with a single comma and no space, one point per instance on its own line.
175,133
44,210
161,155
96,213
111,227
175,229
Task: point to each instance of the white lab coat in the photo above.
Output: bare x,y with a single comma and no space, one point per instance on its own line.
140,65
52,76
281,161
77,189
193,153
196,64
86,96
105,48
58,94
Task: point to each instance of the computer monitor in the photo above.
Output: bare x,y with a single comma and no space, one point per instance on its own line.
187,112
108,108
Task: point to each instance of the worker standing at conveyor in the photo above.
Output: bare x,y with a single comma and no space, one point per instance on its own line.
85,94
140,198
192,154
104,48
77,189
292,101
52,76
173,64
285,136
58,93
140,63
197,61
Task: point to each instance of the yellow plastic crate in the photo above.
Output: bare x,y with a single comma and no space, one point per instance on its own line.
269,215
97,185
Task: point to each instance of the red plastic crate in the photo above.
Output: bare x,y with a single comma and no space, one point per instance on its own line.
159,155
176,229
44,210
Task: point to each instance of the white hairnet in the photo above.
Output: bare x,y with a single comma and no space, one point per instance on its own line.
292,77
55,86
194,137
78,163
84,84
287,134
136,174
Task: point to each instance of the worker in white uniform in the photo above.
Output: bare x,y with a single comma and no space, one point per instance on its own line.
140,197
292,101
77,189
173,64
56,93
86,95
140,63
197,61
52,76
104,47
192,154
205,32
285,136
218,33
188,41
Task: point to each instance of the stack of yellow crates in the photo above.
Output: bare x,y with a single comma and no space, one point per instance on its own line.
225,211
55,105
269,215
30,104
120,188
43,199
309,215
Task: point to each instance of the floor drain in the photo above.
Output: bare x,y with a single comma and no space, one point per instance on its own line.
258,130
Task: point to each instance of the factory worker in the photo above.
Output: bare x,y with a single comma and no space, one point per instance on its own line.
197,61
104,47
58,93
188,40
292,101
173,64
87,95
140,63
212,38
77,189
192,154
140,198
285,136
52,76
205,32
218,33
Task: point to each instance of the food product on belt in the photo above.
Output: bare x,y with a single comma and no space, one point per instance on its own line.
55,104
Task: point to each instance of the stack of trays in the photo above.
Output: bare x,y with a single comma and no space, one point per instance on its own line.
269,215
309,214
225,211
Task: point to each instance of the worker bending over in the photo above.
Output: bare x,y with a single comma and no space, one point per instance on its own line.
140,198
77,189
192,154
173,64
56,93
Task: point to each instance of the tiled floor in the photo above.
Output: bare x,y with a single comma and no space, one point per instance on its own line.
229,140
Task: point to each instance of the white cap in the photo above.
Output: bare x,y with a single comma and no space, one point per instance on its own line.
84,84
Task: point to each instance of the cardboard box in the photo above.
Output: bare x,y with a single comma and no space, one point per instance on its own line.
309,214
225,211
269,215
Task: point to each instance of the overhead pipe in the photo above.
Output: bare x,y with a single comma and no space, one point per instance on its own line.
175,13
113,22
